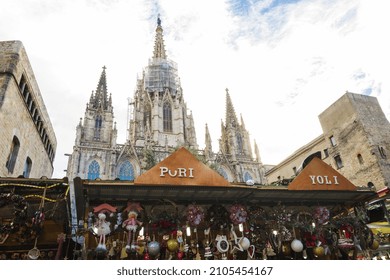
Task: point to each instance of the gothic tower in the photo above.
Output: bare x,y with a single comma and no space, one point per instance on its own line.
93,155
160,116
235,159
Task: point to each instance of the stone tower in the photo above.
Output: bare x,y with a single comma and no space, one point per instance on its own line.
27,139
160,116
94,151
358,137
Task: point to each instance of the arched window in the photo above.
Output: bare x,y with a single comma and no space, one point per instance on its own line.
27,167
167,117
147,115
239,142
126,171
98,126
247,176
13,155
98,122
93,170
223,173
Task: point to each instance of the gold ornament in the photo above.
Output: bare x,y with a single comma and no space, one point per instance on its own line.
375,245
319,251
172,245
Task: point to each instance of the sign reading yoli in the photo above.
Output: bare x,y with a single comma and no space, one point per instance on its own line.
320,180
320,176
179,172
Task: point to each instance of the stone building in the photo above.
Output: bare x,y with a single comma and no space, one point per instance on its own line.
27,139
160,123
355,141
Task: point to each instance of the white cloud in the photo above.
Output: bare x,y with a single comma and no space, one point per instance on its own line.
284,64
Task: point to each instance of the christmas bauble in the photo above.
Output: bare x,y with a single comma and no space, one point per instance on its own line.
375,245
319,251
172,245
245,243
153,248
297,245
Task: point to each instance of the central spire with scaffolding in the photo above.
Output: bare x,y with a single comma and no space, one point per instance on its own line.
161,73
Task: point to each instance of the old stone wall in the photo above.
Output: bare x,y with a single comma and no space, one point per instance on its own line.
23,116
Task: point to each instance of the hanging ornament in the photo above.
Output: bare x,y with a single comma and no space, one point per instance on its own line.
131,224
280,214
172,245
257,215
321,215
375,245
297,245
164,217
244,243
102,227
319,251
153,248
222,243
238,214
217,217
195,214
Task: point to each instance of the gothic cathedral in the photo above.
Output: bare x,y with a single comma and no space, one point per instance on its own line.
159,124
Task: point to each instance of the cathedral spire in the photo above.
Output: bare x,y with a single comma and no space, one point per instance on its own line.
231,118
100,99
159,48
257,153
208,148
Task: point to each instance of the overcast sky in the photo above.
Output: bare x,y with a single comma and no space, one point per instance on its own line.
284,62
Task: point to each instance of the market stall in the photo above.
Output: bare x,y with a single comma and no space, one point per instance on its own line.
182,209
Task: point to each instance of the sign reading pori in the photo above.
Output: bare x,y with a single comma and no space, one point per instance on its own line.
181,168
318,175
179,172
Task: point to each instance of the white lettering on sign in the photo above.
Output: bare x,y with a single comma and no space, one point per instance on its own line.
179,172
321,180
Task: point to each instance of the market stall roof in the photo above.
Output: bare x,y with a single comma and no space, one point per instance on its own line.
119,191
183,178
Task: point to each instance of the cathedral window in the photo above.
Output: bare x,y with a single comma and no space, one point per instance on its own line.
126,171
93,170
11,161
239,143
98,125
167,117
27,168
247,177
223,173
147,116
98,122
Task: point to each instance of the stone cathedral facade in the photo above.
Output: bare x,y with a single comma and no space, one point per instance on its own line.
160,123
